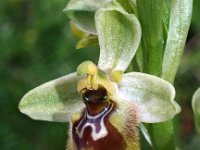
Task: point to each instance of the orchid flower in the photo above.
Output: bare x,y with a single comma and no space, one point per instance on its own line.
103,104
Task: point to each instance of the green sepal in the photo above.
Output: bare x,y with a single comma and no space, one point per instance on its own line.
82,13
119,35
55,100
154,96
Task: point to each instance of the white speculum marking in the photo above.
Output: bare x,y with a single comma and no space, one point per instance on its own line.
95,122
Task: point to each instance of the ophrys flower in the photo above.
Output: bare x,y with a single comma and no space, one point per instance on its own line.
115,103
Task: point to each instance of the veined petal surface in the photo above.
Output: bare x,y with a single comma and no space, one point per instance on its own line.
154,96
82,13
54,100
196,108
119,35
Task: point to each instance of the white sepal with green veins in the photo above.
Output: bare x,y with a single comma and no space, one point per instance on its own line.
153,96
82,13
119,36
55,100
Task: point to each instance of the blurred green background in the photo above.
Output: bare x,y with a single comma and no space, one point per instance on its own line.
36,45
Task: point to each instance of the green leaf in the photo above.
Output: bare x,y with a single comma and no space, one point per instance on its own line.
140,58
164,131
133,5
119,36
150,16
127,5
180,18
82,13
165,19
196,108
53,101
146,134
154,96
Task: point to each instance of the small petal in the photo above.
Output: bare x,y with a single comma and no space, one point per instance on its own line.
54,100
78,33
153,96
86,41
119,35
82,13
196,108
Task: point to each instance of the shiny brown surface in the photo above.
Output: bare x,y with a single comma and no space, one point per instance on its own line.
112,141
95,100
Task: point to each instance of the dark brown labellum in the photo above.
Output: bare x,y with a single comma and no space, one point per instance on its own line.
95,100
103,126
96,132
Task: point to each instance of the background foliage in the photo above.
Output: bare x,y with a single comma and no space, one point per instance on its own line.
37,46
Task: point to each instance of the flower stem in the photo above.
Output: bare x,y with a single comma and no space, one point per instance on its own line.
162,33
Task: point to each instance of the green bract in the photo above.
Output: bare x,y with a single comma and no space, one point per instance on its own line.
196,108
119,36
179,23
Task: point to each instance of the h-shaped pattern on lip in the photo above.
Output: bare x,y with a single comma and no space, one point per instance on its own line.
95,122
